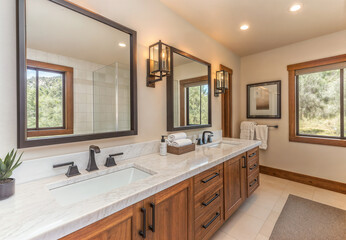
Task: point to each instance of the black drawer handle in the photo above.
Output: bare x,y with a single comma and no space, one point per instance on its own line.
244,165
143,232
152,227
253,167
211,200
211,221
211,178
252,154
253,182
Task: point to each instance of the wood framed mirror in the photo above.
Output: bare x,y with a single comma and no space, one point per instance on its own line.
188,92
77,77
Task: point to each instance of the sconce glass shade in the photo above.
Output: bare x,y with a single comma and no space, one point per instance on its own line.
160,59
222,80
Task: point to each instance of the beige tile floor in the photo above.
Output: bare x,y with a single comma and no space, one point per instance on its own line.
256,218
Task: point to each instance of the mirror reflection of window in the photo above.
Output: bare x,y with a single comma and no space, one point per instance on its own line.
190,91
197,105
48,99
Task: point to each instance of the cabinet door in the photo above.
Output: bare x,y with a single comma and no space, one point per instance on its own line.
234,183
123,225
170,213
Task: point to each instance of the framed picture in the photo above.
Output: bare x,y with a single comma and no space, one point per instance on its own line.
264,100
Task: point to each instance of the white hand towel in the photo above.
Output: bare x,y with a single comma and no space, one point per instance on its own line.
262,135
247,130
176,136
181,142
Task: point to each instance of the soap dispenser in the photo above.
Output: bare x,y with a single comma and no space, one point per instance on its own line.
163,146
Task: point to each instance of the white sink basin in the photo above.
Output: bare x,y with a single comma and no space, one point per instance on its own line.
82,190
224,145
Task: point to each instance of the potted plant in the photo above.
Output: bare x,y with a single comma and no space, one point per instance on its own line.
6,168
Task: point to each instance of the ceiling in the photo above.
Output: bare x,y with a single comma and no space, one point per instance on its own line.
271,23
55,29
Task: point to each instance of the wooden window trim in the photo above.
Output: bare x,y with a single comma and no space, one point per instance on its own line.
293,137
182,85
226,105
68,71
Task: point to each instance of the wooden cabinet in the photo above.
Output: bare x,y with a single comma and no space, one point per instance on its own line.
208,195
166,215
171,213
234,184
252,170
123,225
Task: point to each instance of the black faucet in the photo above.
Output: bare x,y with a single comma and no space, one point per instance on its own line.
204,139
92,163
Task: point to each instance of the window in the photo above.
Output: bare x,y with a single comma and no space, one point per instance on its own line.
49,100
197,104
194,101
317,101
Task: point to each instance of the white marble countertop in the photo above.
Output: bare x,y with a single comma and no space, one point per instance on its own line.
33,213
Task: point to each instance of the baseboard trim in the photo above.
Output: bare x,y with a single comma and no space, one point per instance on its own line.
305,179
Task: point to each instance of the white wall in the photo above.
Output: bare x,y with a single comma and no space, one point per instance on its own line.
316,160
152,21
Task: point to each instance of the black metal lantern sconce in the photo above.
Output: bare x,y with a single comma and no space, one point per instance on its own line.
159,63
221,82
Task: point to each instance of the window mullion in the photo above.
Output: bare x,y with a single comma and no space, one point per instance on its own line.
37,99
342,107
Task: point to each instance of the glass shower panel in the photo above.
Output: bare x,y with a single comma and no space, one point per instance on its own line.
112,98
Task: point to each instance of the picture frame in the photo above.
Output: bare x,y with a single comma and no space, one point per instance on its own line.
264,100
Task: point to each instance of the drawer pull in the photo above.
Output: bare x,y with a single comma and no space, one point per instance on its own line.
152,227
211,178
244,166
211,200
143,232
252,154
253,182
253,167
211,221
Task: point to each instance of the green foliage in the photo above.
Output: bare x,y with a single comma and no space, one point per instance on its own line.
319,103
198,104
50,100
9,164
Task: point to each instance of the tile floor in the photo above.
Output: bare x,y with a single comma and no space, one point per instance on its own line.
256,218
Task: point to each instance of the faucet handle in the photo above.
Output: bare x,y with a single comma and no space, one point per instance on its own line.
110,162
199,141
72,170
210,136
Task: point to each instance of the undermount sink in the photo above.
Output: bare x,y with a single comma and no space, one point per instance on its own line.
224,145
82,190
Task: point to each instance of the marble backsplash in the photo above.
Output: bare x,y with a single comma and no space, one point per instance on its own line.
40,168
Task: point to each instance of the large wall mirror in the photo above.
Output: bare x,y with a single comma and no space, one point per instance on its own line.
76,75
188,92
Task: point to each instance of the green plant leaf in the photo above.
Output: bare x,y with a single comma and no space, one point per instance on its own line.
8,174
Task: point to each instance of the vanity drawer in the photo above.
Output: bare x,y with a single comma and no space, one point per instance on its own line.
208,200
252,166
253,182
208,223
252,154
213,176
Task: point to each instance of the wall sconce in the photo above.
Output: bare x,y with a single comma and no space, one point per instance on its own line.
221,82
159,63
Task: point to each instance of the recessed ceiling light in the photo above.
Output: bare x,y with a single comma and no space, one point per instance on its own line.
122,44
244,27
295,8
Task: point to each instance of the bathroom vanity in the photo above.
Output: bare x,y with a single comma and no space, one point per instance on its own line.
192,209
148,197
